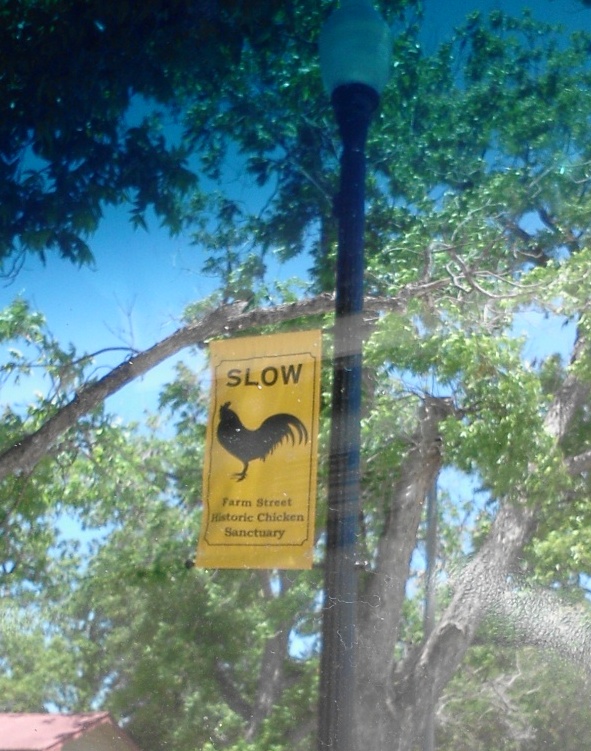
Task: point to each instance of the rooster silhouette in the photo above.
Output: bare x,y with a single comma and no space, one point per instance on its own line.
247,445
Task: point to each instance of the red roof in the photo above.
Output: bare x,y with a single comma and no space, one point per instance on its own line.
90,731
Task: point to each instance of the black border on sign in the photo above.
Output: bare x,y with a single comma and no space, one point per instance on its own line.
313,443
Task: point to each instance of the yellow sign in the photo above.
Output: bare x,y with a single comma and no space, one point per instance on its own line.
259,478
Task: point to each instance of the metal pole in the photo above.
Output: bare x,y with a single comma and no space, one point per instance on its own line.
354,105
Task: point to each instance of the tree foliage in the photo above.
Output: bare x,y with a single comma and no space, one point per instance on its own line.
478,220
82,84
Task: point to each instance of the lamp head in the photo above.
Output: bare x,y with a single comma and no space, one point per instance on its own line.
355,47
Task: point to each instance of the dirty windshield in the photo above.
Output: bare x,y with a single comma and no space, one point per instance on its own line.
295,375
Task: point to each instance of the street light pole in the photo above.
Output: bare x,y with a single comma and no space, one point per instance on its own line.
354,105
355,48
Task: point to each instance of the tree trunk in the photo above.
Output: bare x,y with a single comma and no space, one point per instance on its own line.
393,699
381,602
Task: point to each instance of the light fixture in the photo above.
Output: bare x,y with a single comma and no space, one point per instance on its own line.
355,47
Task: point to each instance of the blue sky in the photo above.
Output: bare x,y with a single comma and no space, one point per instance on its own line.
135,294
441,17
142,281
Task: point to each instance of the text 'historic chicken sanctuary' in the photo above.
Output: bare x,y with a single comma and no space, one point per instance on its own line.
259,479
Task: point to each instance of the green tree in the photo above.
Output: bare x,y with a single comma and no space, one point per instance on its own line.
478,215
82,129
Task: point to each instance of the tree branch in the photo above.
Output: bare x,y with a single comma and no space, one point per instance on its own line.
481,587
232,695
23,456
540,619
381,603
580,463
271,680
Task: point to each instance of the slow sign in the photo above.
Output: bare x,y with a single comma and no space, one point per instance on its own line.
259,480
